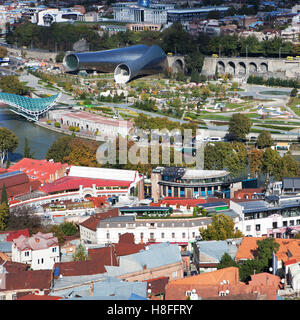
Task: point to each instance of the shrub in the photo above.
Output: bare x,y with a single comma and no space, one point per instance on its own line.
57,124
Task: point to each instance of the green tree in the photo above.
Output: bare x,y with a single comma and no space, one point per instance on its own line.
4,215
255,157
265,250
68,228
80,254
58,233
226,261
59,149
264,140
239,126
221,228
8,143
271,159
27,151
12,84
4,194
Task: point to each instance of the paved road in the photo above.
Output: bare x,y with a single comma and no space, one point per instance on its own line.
32,81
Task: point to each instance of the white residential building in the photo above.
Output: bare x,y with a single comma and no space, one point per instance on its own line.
180,231
277,217
41,251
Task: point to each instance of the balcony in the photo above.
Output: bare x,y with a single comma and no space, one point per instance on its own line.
151,239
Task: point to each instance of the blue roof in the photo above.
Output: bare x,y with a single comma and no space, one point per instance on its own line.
110,288
5,246
216,248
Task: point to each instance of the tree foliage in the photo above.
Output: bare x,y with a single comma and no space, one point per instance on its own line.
4,215
239,126
8,143
221,228
80,254
68,228
264,140
24,218
12,84
225,155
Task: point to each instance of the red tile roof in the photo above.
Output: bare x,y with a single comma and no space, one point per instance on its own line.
32,279
92,222
14,234
12,266
98,259
208,286
73,183
288,249
42,170
157,285
17,184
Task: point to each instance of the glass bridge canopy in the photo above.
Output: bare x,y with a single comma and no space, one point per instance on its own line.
30,108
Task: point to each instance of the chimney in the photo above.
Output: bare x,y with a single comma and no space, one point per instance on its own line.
92,288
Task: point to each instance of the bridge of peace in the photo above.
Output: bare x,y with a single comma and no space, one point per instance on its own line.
242,67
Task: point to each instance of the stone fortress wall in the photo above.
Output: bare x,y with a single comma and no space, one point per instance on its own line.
242,67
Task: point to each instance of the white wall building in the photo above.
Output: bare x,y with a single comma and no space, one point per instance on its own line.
180,231
279,219
41,251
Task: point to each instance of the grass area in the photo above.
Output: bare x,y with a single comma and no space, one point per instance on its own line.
293,102
260,130
269,126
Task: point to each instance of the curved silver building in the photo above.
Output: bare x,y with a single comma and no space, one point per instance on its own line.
126,63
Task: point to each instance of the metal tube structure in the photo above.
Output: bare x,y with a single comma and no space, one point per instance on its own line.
126,63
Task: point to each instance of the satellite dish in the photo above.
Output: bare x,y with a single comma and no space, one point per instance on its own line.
227,291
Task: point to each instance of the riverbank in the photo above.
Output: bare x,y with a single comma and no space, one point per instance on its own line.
68,132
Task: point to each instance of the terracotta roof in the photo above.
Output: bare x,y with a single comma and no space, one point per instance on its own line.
73,183
12,266
208,286
212,278
157,285
247,248
16,184
32,279
98,259
288,249
92,222
38,169
14,234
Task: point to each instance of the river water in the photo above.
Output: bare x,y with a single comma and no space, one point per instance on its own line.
40,139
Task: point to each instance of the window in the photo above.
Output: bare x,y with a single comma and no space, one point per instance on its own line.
284,223
174,274
257,227
193,234
173,235
292,222
274,225
297,221
107,235
183,235
248,228
142,235
54,249
42,260
162,235
38,261
26,253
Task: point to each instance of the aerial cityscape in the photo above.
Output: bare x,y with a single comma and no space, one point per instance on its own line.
150,150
